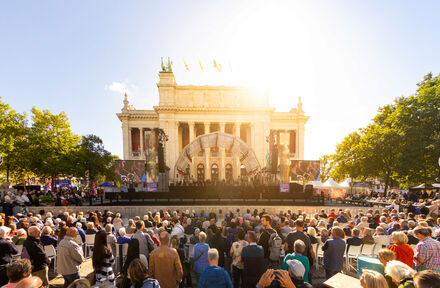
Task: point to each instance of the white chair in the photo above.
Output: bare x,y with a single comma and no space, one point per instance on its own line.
319,254
352,253
90,241
51,253
368,249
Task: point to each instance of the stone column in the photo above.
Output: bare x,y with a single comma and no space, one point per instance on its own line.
126,139
300,142
191,139
237,130
142,144
207,124
222,155
191,131
207,163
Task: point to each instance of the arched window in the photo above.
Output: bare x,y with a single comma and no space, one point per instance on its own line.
228,172
243,172
214,172
200,172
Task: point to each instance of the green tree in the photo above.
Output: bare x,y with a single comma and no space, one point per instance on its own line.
347,159
91,160
13,131
50,143
326,167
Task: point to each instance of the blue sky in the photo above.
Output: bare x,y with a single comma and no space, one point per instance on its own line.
344,58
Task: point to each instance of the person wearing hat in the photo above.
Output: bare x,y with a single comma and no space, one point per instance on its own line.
296,272
7,249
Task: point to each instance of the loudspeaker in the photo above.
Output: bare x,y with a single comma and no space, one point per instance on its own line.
309,191
161,159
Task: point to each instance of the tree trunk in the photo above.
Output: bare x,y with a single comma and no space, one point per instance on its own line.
8,167
387,180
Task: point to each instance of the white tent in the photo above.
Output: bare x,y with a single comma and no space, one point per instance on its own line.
330,183
345,184
316,184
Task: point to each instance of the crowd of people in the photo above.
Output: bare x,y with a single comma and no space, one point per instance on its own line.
217,249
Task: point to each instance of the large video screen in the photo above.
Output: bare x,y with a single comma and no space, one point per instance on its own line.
307,169
129,171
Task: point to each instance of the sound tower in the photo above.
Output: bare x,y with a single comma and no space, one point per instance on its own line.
274,160
309,191
161,158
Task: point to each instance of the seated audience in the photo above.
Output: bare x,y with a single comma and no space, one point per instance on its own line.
403,251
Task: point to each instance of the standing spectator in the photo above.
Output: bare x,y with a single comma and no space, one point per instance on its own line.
334,252
36,253
237,263
132,253
138,273
214,276
218,242
69,257
177,229
427,279
111,239
146,245
131,228
17,271
403,251
195,238
385,256
102,259
401,274
7,249
300,235
299,247
427,256
253,261
200,255
175,243
372,279
165,263
263,241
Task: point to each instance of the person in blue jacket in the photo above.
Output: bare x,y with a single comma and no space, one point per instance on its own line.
214,276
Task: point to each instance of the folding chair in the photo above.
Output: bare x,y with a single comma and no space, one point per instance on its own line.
51,253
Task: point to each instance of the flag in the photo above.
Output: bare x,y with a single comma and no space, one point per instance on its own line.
200,63
186,65
217,66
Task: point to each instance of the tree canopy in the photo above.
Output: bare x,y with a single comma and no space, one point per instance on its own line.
47,148
401,144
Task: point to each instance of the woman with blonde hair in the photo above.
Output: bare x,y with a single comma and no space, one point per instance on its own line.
401,249
401,274
312,235
385,256
373,279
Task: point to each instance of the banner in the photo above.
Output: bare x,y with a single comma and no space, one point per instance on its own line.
284,187
151,156
129,171
304,170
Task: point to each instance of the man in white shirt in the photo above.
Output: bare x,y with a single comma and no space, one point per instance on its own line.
178,229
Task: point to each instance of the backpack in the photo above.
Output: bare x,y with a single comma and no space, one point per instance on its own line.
275,244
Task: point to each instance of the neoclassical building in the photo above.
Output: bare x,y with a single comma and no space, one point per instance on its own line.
214,132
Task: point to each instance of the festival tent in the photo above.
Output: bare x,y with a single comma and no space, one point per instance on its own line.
345,184
316,184
436,185
106,184
330,183
423,186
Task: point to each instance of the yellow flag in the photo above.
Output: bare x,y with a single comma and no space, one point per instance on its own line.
217,66
186,65
200,63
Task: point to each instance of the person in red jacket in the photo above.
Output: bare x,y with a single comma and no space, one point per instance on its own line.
401,249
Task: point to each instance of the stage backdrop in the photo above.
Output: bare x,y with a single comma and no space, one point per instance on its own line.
129,171
309,169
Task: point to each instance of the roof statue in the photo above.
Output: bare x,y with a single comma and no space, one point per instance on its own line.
168,67
300,106
125,108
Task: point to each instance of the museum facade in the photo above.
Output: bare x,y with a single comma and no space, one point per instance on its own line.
213,132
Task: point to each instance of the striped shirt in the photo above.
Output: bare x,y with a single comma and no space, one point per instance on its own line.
105,273
429,250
